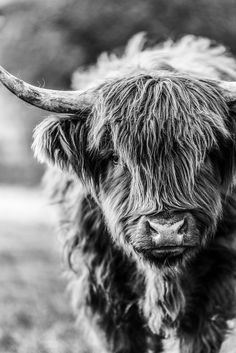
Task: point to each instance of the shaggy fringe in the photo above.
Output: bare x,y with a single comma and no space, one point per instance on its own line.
161,129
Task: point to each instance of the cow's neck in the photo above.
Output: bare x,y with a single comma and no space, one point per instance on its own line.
164,300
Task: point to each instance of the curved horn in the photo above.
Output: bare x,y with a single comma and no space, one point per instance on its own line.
47,99
229,88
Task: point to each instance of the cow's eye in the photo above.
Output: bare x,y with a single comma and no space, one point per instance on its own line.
115,159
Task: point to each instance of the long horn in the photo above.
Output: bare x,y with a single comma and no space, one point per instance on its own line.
229,88
47,99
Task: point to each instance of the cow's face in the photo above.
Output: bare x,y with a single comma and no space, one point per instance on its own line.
156,154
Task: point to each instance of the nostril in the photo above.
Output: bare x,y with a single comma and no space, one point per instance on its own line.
183,227
147,226
151,228
156,230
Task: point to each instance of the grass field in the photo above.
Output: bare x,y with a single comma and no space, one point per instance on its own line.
35,315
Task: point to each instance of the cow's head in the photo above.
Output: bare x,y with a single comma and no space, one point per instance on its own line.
156,151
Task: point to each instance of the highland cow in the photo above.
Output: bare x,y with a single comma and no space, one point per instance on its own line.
144,155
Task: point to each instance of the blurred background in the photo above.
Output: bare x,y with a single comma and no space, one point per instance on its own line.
44,42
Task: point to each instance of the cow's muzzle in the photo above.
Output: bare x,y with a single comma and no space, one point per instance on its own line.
169,235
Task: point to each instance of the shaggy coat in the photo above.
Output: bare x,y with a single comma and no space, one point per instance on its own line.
158,140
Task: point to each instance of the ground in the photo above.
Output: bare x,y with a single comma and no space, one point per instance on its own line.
35,312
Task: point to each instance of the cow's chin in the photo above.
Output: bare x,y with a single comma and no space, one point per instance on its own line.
168,258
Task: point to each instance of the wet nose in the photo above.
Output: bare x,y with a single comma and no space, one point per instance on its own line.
169,233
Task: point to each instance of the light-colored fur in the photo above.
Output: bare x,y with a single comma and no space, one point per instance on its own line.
192,55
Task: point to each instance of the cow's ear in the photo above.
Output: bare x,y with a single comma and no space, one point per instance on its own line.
61,141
